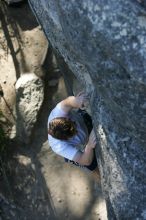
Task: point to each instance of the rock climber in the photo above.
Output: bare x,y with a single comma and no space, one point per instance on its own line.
70,132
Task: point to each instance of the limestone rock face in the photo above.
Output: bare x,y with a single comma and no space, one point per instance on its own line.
29,98
104,45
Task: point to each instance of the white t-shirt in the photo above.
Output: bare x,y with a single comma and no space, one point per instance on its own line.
68,148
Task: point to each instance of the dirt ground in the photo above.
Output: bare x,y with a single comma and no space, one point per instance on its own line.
35,182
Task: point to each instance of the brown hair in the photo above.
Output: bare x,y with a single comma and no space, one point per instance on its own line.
62,128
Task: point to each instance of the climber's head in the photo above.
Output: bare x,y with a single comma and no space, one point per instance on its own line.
62,128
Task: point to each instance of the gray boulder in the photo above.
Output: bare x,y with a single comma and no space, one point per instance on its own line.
103,43
29,98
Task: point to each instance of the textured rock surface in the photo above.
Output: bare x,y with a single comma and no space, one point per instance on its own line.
104,44
29,98
13,1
